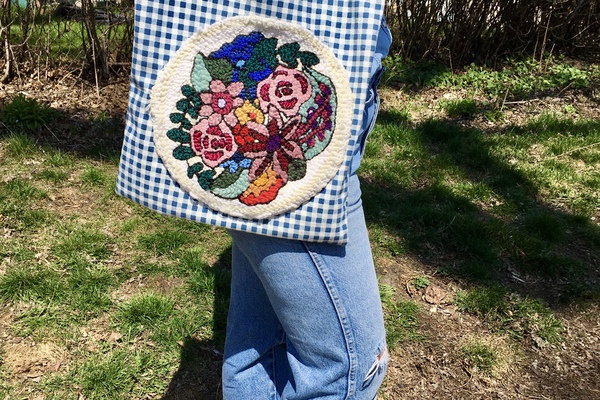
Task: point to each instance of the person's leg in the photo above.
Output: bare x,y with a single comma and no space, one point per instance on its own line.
254,338
326,300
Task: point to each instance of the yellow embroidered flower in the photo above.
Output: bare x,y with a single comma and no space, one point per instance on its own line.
249,112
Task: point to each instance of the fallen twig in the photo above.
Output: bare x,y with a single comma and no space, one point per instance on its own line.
571,151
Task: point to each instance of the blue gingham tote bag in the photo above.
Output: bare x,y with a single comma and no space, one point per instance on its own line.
245,114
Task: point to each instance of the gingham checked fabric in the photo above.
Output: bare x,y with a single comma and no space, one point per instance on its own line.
348,28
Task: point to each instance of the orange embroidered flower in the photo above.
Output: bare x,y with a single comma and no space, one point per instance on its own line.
264,188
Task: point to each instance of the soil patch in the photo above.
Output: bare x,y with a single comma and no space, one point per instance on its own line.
25,359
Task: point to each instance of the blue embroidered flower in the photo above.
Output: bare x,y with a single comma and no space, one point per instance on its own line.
236,162
240,50
253,58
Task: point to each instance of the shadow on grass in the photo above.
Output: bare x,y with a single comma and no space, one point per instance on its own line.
199,373
523,242
99,137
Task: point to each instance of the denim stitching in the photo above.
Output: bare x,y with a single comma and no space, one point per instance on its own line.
274,382
342,316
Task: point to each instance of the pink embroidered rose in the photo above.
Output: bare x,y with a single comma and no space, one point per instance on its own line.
220,103
285,89
214,143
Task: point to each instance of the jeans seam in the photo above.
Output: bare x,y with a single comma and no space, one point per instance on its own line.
274,366
342,318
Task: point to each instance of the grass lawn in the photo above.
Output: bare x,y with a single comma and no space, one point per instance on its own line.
482,204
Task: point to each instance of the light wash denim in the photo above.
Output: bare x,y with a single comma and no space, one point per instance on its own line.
305,319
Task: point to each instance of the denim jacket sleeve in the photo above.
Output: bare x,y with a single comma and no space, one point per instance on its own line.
384,41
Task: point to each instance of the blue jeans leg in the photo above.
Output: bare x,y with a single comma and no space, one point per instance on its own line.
305,319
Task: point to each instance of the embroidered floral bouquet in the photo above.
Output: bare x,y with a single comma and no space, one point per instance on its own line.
253,115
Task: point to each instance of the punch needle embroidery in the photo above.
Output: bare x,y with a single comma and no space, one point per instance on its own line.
253,117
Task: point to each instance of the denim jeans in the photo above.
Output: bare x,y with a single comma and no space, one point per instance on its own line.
305,319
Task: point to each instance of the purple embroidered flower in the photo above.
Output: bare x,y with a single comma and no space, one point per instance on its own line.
319,118
270,146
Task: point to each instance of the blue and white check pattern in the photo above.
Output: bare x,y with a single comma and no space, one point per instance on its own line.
349,28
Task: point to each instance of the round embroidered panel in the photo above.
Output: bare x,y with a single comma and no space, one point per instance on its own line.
252,116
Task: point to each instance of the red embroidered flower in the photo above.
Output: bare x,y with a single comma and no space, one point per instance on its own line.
285,89
214,143
270,146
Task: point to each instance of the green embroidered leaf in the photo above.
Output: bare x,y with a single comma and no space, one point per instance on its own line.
200,76
186,124
289,54
289,48
205,179
194,169
235,188
187,90
264,52
220,69
226,178
176,117
178,135
291,62
308,58
296,170
183,153
183,105
196,100
248,82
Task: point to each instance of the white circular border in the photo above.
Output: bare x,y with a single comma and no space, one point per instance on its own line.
167,91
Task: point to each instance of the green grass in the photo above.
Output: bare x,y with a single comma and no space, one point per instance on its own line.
473,207
20,196
89,286
28,284
507,312
481,198
25,114
93,176
109,376
81,241
146,310
20,146
481,356
401,318
459,108
164,242
516,79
